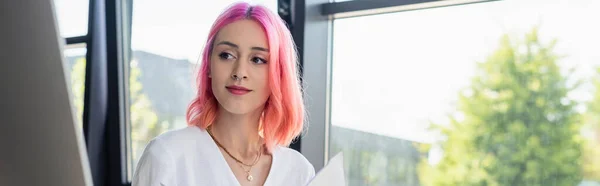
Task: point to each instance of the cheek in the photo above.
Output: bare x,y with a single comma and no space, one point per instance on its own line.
265,92
263,81
218,77
219,72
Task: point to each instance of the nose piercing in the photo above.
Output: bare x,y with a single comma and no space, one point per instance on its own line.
236,77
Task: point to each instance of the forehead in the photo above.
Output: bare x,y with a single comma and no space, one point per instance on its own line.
245,33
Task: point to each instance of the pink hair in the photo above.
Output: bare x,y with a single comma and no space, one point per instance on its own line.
284,110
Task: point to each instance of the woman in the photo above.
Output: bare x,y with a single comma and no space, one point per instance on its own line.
248,109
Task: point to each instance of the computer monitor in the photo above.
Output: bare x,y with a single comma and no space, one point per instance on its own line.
40,140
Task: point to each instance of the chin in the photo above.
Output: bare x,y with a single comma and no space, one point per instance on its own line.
236,111
239,108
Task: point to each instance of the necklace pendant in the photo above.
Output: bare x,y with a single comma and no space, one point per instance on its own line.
250,178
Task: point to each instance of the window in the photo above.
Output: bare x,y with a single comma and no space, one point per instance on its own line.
475,94
72,17
75,63
166,42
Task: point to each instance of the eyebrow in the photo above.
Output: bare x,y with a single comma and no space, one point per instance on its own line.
236,46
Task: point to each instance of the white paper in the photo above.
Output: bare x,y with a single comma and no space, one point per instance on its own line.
332,174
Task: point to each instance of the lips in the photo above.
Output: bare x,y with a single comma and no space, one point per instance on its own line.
237,90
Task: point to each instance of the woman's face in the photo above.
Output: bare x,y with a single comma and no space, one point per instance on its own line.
238,67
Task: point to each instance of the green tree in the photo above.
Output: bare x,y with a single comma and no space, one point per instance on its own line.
515,124
591,150
144,121
78,87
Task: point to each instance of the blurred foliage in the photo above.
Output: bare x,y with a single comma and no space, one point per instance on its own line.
591,150
515,124
144,121
78,87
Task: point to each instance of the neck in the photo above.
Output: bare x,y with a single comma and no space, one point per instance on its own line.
238,133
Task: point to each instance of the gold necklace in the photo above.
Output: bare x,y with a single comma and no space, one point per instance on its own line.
249,177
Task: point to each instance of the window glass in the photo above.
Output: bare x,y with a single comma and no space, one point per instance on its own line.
497,93
72,17
75,63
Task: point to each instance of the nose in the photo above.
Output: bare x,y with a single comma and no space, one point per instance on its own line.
239,71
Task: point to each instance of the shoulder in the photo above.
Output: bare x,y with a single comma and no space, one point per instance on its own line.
300,165
154,166
157,162
172,137
176,141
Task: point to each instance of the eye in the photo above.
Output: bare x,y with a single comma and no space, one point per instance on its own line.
259,60
226,56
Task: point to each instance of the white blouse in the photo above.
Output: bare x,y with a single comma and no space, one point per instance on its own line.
189,156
